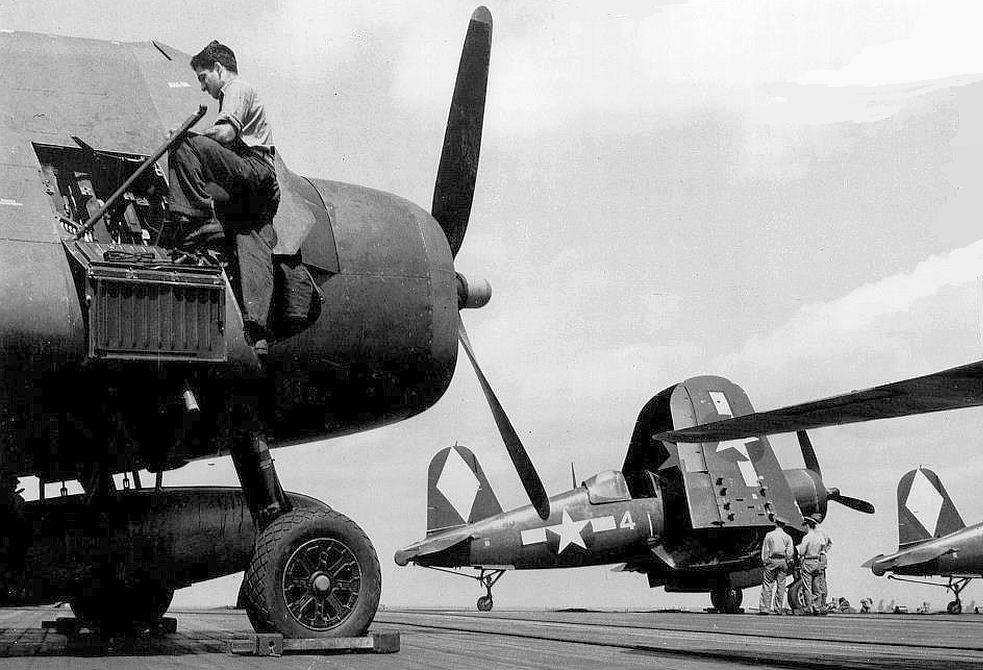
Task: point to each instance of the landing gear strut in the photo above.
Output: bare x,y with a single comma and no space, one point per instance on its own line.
313,573
487,577
954,584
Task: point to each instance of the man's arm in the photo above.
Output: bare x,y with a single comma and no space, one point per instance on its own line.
223,133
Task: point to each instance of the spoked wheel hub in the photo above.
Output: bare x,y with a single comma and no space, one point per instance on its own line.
321,583
313,573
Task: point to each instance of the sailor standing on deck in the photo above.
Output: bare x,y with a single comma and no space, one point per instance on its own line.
776,553
812,551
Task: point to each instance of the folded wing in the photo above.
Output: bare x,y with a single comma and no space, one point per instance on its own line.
949,389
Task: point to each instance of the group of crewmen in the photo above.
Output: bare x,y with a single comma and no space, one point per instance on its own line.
777,553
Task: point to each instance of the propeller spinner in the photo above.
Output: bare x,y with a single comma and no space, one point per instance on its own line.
452,198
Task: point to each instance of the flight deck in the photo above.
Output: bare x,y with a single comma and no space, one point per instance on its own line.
533,639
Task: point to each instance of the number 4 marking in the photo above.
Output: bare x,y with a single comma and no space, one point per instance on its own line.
627,521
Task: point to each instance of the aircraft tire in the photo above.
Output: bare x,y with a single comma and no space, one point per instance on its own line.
797,597
485,604
116,607
954,607
313,573
727,600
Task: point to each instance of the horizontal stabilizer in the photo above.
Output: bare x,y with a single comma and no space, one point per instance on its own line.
869,563
429,547
949,389
908,557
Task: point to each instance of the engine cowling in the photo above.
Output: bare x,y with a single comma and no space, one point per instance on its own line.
808,489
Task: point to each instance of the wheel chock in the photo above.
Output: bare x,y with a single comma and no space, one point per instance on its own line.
70,626
64,625
274,644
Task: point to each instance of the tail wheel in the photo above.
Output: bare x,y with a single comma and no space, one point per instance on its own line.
314,573
727,599
115,607
485,604
797,597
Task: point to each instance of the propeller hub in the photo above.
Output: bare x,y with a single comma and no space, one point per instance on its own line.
472,293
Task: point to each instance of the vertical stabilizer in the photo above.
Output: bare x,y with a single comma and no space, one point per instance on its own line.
925,510
457,490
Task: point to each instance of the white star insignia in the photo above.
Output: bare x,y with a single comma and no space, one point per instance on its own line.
569,532
739,445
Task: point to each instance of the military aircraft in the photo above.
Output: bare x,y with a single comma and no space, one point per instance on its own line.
696,494
933,539
120,355
690,517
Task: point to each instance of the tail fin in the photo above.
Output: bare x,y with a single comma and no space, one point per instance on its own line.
457,491
925,510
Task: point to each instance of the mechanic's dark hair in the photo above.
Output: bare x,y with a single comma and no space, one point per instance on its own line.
215,52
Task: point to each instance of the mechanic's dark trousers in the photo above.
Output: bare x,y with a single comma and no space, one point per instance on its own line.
773,585
254,277
813,583
198,161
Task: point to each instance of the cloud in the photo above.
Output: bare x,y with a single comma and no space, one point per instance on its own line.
942,43
883,327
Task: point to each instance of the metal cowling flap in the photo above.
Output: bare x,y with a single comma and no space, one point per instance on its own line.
142,306
302,222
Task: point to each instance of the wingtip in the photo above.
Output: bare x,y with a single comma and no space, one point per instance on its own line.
482,15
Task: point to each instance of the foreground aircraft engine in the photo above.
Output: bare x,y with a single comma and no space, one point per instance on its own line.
119,354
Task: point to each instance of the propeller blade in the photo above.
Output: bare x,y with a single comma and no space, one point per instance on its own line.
808,453
853,503
520,459
454,189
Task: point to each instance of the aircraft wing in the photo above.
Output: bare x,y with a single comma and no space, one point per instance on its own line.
939,391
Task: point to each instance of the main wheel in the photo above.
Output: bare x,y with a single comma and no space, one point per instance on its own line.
117,607
313,573
727,599
954,607
797,597
485,604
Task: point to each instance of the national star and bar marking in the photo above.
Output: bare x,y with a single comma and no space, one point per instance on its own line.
568,530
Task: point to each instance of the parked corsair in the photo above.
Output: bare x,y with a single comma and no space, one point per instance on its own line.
690,517
696,494
933,540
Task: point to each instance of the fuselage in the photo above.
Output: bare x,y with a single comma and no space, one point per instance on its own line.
382,348
578,532
958,554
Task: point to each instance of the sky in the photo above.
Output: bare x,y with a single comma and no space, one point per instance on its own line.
781,193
